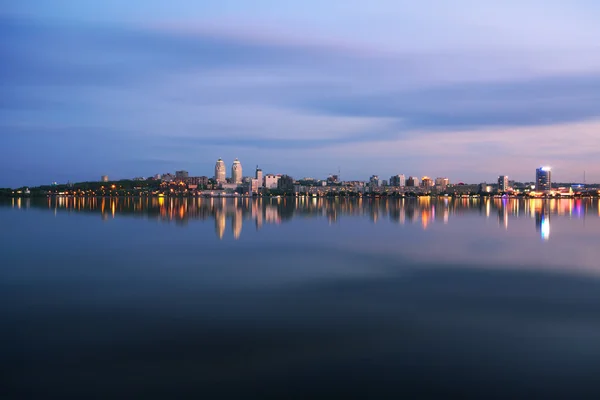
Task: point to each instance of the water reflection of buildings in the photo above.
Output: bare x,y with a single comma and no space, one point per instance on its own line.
265,211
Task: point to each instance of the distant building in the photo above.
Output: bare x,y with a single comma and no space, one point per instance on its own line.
259,176
168,177
254,186
197,180
250,186
271,181
220,173
503,183
412,181
374,181
104,178
286,183
236,172
543,179
398,180
181,175
333,179
427,182
442,183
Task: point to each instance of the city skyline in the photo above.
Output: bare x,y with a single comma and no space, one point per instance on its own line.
398,87
236,176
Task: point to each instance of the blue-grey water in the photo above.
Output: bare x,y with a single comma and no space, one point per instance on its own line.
299,298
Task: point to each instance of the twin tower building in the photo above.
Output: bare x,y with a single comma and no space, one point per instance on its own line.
221,172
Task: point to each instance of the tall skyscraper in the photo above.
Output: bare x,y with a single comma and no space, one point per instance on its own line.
236,172
543,179
401,180
259,176
220,171
502,183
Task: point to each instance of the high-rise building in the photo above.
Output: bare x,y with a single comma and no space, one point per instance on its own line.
374,181
259,176
236,172
104,178
412,181
502,183
220,172
401,180
543,179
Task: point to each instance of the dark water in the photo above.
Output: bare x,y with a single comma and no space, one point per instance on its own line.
286,298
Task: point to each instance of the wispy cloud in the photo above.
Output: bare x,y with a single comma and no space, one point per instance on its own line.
197,85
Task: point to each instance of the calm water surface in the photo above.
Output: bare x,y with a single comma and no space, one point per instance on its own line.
213,298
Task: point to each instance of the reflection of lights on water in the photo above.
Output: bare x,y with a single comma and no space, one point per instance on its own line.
545,228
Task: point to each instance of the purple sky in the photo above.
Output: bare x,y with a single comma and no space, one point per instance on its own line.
464,89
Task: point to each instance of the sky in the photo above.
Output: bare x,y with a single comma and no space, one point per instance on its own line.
459,88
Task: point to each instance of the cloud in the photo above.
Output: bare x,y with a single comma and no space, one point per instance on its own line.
200,93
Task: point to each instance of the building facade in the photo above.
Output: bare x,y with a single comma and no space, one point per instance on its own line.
502,183
220,172
197,180
236,172
412,181
426,182
259,176
398,180
271,181
286,183
543,179
168,177
181,175
374,181
104,178
441,183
